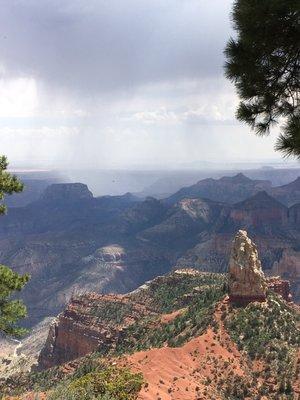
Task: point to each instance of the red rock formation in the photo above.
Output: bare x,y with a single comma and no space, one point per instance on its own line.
90,322
288,267
280,286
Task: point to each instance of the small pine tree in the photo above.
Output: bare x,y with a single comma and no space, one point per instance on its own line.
9,183
11,310
10,282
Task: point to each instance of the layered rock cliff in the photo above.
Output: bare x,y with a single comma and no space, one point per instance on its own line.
93,322
280,286
90,322
288,267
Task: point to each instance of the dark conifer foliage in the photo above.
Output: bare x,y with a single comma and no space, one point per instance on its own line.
9,183
263,61
10,282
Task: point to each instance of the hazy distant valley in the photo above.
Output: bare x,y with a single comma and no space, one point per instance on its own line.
143,183
71,242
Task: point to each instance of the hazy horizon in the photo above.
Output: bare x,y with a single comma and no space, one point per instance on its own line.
195,166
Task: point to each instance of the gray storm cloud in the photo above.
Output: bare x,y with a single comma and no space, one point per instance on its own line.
95,46
118,83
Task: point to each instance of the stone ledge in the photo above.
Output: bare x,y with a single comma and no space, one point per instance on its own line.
245,300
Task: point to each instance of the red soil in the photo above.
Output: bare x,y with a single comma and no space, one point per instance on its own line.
184,373
167,318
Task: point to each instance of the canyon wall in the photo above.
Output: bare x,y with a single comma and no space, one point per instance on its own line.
90,322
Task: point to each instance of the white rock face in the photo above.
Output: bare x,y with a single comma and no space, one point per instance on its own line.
246,279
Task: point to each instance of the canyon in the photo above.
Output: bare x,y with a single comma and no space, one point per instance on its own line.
93,322
71,242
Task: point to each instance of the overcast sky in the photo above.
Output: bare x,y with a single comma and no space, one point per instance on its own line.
119,83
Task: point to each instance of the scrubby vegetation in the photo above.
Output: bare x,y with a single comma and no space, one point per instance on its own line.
269,332
168,295
92,380
191,322
107,311
109,383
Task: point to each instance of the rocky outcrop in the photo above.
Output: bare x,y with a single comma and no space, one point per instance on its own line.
90,322
94,322
247,282
280,286
288,267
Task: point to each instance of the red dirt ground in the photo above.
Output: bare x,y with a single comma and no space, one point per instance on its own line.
181,373
167,318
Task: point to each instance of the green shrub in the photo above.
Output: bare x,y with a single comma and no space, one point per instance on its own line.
110,383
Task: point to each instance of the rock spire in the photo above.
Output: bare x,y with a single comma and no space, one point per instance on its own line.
247,281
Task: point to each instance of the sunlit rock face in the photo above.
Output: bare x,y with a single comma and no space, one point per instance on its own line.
247,282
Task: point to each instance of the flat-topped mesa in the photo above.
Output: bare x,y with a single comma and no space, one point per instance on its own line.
247,281
61,192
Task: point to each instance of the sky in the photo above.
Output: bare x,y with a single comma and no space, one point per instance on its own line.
119,84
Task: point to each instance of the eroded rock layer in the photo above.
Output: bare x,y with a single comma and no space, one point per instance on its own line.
86,326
